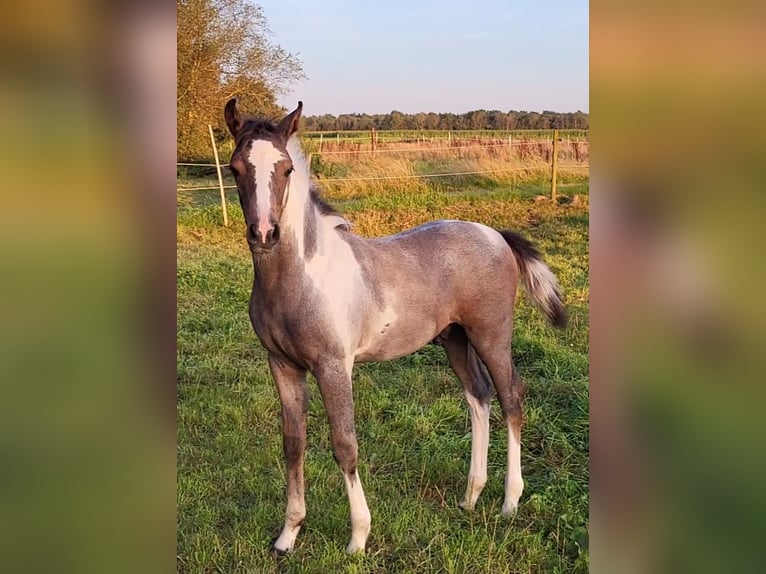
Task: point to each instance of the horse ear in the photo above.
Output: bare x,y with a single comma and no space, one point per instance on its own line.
233,117
289,125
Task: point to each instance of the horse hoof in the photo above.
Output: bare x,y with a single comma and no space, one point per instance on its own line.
465,505
279,552
354,549
509,510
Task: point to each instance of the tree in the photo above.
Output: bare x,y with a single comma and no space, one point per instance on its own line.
495,120
511,120
476,120
420,120
394,121
224,51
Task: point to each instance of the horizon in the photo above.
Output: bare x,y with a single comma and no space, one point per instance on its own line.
293,106
434,57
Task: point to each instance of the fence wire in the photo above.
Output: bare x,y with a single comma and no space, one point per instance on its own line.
411,150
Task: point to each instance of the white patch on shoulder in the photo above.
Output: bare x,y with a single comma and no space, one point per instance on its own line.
336,274
333,269
264,157
492,235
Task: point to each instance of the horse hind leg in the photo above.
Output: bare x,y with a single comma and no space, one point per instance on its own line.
496,356
476,384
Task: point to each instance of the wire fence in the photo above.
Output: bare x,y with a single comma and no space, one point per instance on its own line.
430,135
446,148
455,146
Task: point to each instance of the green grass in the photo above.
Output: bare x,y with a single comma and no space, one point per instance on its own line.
412,423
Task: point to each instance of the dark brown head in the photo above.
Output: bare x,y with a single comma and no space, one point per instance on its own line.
262,167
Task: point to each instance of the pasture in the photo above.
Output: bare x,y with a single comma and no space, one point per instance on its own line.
412,422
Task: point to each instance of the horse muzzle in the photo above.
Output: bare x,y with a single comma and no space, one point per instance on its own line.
260,244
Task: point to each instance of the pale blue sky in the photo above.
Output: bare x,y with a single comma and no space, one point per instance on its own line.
435,55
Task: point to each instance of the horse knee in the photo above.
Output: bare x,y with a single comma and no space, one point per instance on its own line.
345,451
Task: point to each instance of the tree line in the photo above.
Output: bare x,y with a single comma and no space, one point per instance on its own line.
474,120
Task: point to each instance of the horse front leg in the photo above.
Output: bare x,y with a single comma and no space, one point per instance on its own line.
293,395
334,383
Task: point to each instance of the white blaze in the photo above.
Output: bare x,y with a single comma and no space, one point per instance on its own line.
264,157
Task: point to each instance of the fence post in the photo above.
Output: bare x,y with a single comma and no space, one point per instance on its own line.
449,139
554,164
372,139
320,142
311,156
220,177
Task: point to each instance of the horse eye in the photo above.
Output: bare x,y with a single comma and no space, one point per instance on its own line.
289,171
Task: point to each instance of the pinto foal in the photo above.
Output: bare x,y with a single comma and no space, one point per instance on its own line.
324,299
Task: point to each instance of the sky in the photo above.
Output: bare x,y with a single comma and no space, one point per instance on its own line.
434,55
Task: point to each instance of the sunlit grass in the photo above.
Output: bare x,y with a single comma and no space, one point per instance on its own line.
413,426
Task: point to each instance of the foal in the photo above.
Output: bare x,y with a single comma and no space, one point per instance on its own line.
324,298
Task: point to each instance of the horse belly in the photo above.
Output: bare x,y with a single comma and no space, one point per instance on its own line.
391,338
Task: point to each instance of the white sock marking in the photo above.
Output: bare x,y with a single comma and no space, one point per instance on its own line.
360,514
293,523
477,474
514,484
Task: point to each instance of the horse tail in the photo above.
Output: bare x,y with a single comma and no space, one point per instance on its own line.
539,281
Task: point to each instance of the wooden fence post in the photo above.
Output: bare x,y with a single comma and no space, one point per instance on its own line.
320,142
372,139
220,177
554,164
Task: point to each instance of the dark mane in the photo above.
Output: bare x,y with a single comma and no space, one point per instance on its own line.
324,207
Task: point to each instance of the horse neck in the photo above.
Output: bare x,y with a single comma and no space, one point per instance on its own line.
299,211
298,215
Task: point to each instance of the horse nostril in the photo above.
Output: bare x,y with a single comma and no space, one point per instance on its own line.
252,233
275,233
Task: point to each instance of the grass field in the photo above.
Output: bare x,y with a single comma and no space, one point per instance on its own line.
412,422
525,143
